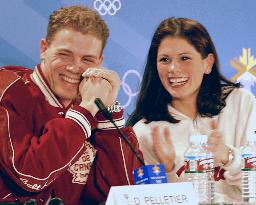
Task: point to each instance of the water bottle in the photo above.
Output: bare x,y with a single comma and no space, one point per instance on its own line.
249,170
209,168
197,168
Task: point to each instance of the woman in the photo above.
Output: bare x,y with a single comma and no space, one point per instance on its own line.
183,93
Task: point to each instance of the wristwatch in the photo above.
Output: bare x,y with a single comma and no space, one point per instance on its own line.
230,158
114,108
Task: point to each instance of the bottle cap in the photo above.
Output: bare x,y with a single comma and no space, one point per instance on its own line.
197,139
251,137
204,139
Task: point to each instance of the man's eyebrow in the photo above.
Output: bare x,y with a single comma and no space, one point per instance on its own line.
89,56
65,50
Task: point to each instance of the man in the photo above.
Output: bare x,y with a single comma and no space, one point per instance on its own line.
54,142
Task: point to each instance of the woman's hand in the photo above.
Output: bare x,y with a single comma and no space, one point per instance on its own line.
217,146
163,147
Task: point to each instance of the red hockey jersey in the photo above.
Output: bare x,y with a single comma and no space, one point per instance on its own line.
48,150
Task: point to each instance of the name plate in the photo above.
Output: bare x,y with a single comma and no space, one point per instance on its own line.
153,194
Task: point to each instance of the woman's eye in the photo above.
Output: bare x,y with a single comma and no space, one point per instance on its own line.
184,58
164,60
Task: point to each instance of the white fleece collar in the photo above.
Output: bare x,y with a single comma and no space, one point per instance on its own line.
177,114
43,86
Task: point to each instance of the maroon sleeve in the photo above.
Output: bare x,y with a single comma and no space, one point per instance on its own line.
34,161
113,164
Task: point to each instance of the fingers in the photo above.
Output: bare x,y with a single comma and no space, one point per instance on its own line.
93,87
159,139
156,137
92,72
96,81
216,144
167,135
95,72
109,75
215,137
163,147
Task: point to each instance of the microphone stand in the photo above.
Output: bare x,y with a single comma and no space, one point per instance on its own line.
107,114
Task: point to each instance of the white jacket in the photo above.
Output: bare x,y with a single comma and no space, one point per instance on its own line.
235,121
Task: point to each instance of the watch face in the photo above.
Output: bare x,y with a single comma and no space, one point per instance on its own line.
114,108
230,157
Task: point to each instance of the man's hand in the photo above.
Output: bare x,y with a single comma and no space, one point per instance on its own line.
109,75
91,88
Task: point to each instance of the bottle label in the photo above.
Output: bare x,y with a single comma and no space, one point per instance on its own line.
249,161
209,164
196,164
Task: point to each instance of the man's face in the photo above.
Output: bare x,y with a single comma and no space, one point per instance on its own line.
65,58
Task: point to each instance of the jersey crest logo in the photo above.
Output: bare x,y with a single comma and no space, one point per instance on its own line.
81,168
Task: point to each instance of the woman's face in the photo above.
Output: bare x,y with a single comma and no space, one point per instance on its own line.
181,68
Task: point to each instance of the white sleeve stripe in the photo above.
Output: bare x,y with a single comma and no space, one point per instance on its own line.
125,167
79,123
81,120
79,113
116,120
8,88
109,125
7,196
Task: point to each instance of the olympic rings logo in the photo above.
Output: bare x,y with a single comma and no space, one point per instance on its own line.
107,6
127,89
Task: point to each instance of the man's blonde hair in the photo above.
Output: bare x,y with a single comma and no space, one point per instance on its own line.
79,18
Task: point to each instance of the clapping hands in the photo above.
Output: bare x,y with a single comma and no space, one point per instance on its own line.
217,146
163,147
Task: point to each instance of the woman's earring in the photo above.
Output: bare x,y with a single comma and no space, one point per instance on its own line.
208,71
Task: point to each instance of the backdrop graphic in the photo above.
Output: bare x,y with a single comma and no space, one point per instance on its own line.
231,24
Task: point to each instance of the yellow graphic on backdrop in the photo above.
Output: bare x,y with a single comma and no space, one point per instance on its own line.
245,64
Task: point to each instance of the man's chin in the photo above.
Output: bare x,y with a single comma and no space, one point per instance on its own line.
68,97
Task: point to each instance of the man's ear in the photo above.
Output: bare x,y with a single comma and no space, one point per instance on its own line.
209,63
101,59
43,48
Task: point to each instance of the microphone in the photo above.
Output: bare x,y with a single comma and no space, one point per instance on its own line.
146,174
107,115
104,110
